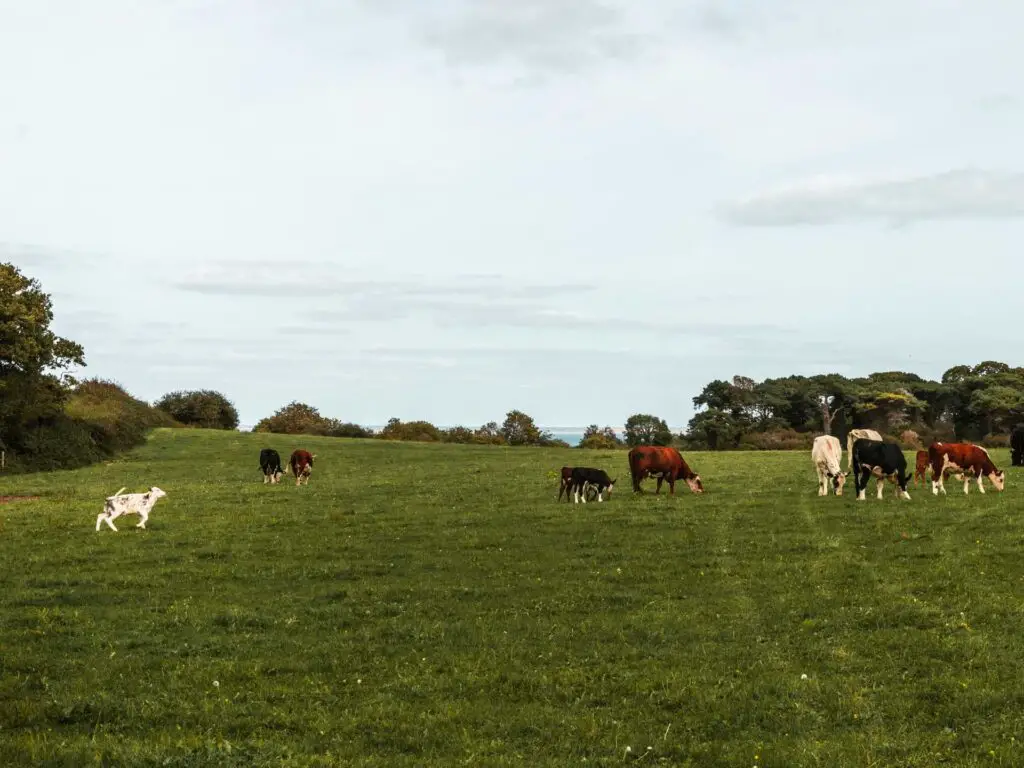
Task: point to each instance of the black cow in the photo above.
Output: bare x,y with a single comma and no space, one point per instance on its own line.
883,460
1017,447
583,478
270,463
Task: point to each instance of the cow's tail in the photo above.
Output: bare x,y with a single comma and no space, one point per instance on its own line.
116,494
634,471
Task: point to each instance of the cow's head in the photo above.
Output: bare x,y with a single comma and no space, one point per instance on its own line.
998,479
611,484
838,481
695,484
156,493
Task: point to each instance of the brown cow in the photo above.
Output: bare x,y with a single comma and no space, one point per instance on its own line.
566,478
965,458
665,462
302,465
923,462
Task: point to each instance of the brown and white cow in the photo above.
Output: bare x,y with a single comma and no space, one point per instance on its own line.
826,454
923,462
302,465
858,434
966,458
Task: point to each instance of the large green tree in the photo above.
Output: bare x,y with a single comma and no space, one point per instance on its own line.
33,359
645,429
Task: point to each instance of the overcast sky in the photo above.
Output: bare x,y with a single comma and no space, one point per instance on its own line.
578,208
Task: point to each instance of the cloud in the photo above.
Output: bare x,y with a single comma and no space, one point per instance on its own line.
539,36
26,255
956,194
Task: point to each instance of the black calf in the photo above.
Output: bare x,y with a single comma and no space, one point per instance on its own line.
584,477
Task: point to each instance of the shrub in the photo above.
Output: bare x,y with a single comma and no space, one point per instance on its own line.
200,408
995,441
337,428
778,440
100,419
414,431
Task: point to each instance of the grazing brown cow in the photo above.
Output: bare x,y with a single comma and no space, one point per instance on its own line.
302,465
665,462
566,479
970,460
923,462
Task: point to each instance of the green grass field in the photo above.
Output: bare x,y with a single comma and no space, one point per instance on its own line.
434,605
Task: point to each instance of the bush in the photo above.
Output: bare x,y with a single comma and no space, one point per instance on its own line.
337,428
778,440
100,419
414,431
995,441
301,419
200,408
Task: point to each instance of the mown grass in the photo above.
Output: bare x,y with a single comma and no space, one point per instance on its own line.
434,605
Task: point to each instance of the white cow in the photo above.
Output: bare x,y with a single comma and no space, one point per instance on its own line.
856,434
826,454
129,504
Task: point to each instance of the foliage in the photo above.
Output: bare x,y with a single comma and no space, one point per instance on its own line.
520,429
202,408
418,431
645,429
435,606
967,404
100,420
597,438
34,384
301,419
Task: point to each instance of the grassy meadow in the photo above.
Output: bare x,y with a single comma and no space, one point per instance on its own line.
434,605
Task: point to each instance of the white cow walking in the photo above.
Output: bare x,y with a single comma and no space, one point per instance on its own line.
129,504
826,454
856,434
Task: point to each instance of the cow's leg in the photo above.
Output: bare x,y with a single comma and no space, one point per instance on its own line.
144,514
880,482
862,483
110,519
822,490
583,492
658,487
99,520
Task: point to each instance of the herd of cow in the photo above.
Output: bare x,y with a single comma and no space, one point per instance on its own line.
868,455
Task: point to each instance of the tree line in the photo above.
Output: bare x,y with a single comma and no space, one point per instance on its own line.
49,420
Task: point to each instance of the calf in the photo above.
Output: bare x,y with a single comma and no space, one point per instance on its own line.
826,454
923,462
856,434
565,482
883,460
302,465
270,463
584,477
129,504
970,460
1017,447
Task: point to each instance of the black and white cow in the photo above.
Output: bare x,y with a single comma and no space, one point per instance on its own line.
584,477
270,463
883,460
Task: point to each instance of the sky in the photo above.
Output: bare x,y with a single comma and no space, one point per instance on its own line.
581,209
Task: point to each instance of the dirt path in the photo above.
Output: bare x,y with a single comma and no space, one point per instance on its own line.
8,499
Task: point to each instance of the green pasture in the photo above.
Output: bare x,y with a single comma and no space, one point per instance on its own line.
433,605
